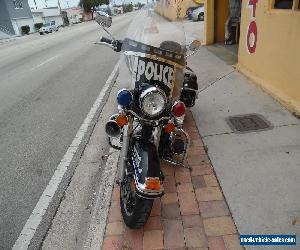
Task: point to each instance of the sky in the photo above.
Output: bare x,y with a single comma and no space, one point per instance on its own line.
70,3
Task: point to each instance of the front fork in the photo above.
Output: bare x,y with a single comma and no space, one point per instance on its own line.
151,167
127,132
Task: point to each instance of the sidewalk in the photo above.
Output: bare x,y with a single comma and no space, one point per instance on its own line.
258,171
192,214
8,39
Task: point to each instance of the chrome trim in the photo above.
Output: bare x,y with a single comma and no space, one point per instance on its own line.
141,188
179,121
105,44
187,141
148,120
149,91
125,145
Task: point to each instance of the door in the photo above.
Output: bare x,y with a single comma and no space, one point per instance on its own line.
221,15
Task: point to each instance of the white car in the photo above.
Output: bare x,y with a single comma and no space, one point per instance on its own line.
103,13
198,14
48,28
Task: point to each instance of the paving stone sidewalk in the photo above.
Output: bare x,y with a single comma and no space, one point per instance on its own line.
192,214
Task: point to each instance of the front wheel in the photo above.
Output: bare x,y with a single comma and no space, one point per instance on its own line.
135,210
201,17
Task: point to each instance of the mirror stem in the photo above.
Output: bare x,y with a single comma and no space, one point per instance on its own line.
111,36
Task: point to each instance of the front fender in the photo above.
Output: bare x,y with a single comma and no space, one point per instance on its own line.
146,163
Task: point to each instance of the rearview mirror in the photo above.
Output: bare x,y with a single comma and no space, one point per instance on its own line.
103,19
195,45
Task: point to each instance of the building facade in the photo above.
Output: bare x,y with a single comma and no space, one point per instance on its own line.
47,15
74,15
268,37
13,15
268,51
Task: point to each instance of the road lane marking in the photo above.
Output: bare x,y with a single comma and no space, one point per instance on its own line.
45,62
38,212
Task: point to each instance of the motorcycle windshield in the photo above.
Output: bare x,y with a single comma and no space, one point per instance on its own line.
155,51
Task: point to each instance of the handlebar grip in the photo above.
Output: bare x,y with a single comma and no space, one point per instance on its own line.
105,40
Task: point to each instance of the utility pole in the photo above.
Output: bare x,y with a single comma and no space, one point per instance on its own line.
59,7
46,3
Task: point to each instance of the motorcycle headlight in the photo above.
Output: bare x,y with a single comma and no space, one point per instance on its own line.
153,101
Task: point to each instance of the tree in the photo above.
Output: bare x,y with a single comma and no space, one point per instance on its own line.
127,7
140,5
90,5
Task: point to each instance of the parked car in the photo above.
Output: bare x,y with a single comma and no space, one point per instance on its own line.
102,13
48,28
190,11
198,14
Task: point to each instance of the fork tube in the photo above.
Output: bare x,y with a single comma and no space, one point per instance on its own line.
125,145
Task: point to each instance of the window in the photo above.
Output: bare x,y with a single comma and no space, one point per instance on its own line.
283,4
18,4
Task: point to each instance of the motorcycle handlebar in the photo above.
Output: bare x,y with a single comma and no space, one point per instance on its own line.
105,40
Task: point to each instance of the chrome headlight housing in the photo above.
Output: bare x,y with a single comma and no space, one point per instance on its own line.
153,101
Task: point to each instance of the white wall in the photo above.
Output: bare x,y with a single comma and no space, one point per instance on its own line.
37,17
18,23
58,20
3,35
74,18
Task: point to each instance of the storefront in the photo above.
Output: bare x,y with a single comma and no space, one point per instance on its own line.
269,42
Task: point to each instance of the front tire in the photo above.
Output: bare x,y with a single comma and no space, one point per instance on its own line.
135,210
201,17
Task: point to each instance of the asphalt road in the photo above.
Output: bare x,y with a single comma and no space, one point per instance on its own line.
47,86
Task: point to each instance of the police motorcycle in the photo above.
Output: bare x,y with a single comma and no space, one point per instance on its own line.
148,127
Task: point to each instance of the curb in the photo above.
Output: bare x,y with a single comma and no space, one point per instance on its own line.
100,211
96,230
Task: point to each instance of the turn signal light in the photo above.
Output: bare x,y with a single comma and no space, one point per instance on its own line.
122,120
169,128
152,183
178,109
